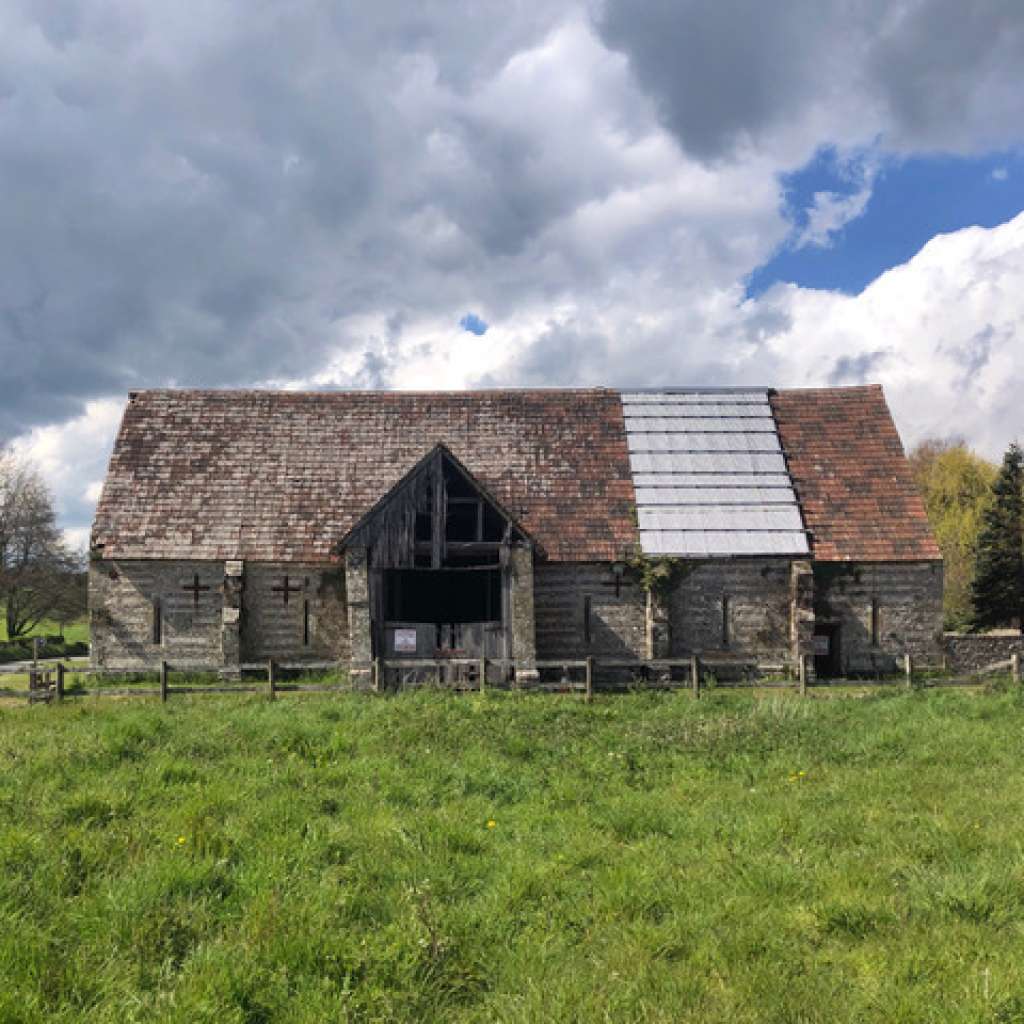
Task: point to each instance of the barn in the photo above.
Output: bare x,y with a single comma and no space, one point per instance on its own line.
751,524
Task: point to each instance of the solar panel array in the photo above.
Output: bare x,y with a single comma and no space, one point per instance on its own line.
709,474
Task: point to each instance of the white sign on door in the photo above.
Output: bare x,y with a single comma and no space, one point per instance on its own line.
405,641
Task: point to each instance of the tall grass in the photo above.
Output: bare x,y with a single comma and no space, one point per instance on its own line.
513,858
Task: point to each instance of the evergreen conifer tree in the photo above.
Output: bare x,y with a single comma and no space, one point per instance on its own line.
998,588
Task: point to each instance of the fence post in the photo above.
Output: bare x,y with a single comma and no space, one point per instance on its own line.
271,679
908,668
589,678
1015,666
376,679
695,676
483,674
802,674
58,690
35,652
163,681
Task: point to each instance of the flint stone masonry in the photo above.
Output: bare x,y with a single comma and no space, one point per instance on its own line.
275,629
616,623
969,652
357,591
909,597
758,608
524,637
122,596
239,617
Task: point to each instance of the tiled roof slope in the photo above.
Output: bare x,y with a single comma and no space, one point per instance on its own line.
851,476
265,475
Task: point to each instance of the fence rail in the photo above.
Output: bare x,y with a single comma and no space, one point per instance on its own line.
47,681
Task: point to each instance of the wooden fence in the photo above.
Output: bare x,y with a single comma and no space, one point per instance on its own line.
48,680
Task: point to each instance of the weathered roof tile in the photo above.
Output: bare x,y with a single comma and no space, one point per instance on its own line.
851,476
266,475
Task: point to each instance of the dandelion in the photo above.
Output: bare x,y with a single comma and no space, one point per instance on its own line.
181,840
491,823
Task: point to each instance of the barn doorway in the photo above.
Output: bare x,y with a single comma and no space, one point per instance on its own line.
828,663
439,566
447,613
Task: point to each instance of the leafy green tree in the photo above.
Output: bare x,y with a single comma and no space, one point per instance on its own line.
998,588
35,565
956,485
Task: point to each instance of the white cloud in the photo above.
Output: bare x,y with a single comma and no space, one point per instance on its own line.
943,333
72,457
829,213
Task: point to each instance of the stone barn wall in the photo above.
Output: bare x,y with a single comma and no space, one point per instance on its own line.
239,616
751,595
969,652
909,609
617,624
122,596
273,629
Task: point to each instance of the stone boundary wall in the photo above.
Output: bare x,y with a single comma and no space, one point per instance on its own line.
968,652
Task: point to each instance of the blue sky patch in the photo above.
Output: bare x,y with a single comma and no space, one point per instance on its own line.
474,324
883,214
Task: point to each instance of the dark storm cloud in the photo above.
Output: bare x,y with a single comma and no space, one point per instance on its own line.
725,73
939,74
196,194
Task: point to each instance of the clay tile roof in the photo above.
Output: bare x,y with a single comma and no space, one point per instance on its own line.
265,475
851,476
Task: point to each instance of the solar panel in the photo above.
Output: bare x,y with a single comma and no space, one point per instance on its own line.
709,474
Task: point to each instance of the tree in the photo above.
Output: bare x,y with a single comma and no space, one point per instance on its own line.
956,485
35,565
998,588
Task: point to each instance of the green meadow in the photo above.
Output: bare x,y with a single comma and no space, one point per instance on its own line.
506,857
74,632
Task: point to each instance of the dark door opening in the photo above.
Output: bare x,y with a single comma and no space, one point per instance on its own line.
828,662
443,613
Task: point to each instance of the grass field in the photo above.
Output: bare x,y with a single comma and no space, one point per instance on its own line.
74,632
514,858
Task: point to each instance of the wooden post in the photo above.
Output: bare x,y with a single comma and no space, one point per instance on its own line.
163,681
378,675
1015,666
695,676
58,690
35,652
908,668
802,675
271,679
589,678
483,670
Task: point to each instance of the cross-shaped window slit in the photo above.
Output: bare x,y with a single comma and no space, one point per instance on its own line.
196,588
286,589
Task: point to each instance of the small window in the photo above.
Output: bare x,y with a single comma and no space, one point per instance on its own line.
875,624
158,621
586,620
463,522
726,632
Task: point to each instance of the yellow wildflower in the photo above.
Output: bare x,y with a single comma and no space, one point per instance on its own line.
181,840
491,823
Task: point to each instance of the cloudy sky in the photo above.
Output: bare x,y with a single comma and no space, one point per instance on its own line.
316,193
